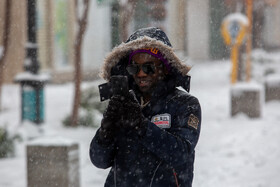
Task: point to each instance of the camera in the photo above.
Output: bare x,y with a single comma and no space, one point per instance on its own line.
117,85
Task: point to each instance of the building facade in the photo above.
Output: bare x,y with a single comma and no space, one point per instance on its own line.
17,38
193,27
56,27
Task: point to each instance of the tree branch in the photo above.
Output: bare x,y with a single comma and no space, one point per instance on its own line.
82,23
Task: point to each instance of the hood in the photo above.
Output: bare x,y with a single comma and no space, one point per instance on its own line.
143,38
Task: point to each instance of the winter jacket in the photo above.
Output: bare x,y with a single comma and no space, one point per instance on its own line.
164,155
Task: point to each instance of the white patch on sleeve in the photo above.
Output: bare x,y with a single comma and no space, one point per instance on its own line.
162,120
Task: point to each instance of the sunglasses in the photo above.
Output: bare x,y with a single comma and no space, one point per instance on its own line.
149,69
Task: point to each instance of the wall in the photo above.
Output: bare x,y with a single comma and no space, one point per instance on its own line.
176,29
271,31
198,29
97,41
45,33
16,51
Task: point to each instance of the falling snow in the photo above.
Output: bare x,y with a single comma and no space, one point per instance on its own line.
231,152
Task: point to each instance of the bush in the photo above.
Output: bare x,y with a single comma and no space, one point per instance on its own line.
90,109
90,100
7,147
86,120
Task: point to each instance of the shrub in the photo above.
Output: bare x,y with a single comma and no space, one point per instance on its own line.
86,120
7,147
90,100
90,109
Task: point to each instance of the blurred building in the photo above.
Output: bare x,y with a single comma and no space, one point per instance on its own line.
193,27
204,18
56,26
56,37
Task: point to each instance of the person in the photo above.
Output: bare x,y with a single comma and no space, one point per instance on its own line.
148,137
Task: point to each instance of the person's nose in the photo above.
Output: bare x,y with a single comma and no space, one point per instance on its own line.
141,73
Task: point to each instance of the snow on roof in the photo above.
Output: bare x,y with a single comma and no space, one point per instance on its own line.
273,79
52,141
250,86
31,45
28,76
263,56
239,88
237,17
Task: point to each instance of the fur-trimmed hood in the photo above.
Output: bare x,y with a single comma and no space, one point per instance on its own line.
143,38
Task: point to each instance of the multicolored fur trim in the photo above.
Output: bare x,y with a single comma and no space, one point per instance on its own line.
125,49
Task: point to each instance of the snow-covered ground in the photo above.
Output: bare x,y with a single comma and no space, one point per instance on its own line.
232,152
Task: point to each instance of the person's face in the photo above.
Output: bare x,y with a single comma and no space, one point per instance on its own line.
146,82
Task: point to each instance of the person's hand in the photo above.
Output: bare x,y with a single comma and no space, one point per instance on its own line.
112,112
110,121
132,117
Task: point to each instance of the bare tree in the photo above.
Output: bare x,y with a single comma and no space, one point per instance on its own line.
82,25
4,50
127,8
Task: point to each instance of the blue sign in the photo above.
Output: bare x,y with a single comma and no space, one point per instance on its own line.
234,29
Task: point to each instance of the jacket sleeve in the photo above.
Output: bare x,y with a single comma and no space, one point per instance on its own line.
101,155
173,146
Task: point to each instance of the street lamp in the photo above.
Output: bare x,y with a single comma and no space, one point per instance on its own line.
32,83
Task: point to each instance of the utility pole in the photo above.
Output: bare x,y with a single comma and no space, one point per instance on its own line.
249,40
32,65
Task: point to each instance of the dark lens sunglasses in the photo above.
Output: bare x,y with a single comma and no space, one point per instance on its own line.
149,69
